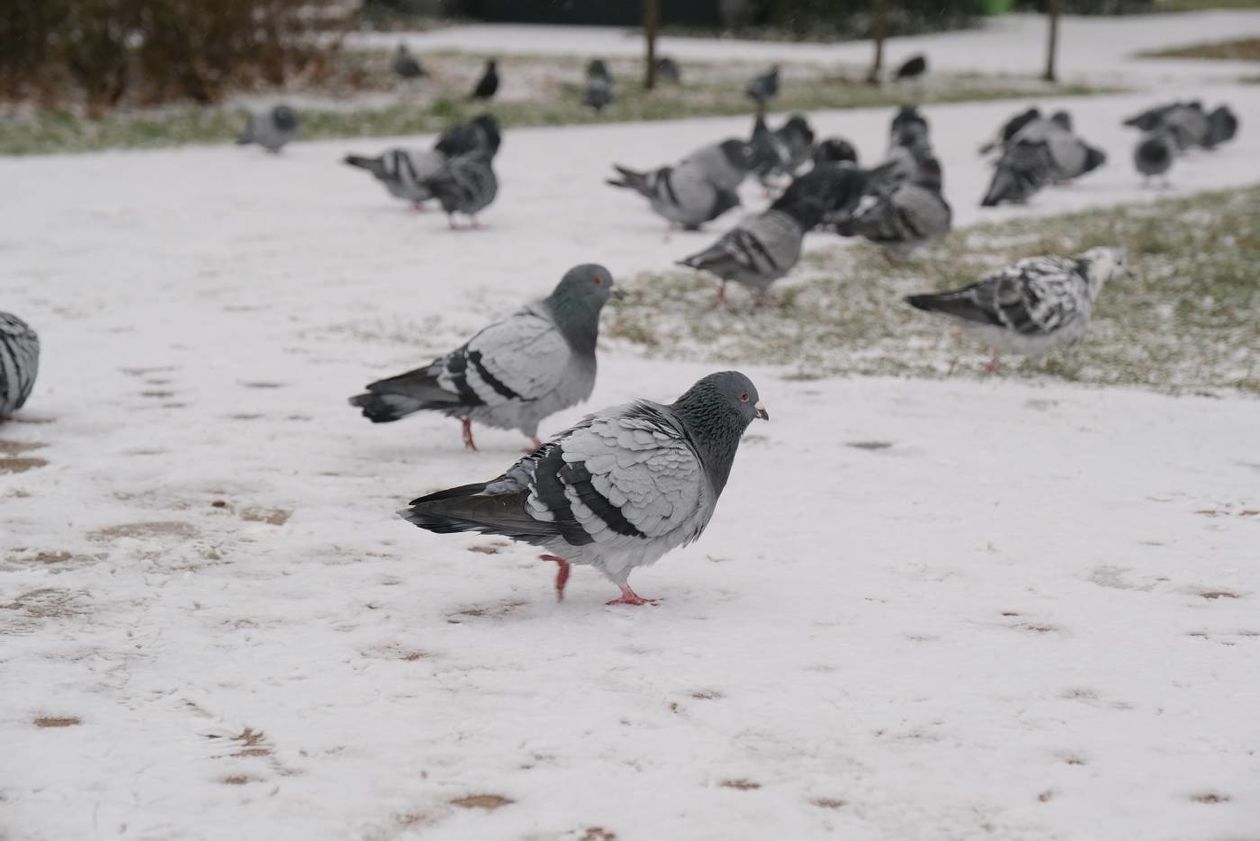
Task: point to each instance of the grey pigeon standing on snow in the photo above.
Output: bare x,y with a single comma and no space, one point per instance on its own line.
1222,126
465,184
512,374
270,129
698,189
908,216
764,88
599,86
405,171
909,128
1042,152
1186,123
769,153
1032,307
1154,155
19,362
406,65
618,490
488,85
765,247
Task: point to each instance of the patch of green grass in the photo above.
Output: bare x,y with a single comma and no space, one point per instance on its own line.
1188,320
1203,5
1241,49
553,98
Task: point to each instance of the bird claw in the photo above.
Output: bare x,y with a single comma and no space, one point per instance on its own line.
562,574
469,443
630,597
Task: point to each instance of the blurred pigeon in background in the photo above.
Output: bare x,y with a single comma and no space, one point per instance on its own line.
1153,155
1010,128
912,68
488,85
667,70
270,129
1032,307
909,128
1042,152
465,184
1222,126
698,189
19,363
406,65
599,86
905,217
764,88
513,373
834,150
617,491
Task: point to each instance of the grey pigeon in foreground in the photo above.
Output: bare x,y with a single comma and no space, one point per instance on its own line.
19,362
1032,307
406,65
765,247
405,171
1153,155
618,490
912,68
270,129
764,88
908,216
512,374
488,85
698,189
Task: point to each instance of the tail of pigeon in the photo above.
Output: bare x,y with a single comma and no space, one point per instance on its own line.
1094,158
632,180
958,303
376,165
396,397
477,508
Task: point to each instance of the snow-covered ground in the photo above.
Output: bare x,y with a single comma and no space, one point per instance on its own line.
924,610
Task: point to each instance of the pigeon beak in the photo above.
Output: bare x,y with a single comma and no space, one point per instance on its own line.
761,410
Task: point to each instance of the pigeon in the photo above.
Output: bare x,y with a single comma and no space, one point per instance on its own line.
1032,307
763,248
465,184
698,189
906,217
1151,118
1153,155
270,130
797,138
1062,119
488,84
667,70
403,171
19,363
1188,125
598,69
1010,128
618,490
913,68
513,373
1070,156
1222,126
764,88
834,150
769,153
909,128
1040,153
597,93
406,65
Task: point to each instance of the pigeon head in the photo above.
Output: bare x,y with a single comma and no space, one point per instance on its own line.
738,154
284,118
834,150
576,303
716,411
798,125
1103,264
1062,119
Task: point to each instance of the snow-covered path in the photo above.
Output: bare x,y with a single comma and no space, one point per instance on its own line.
924,609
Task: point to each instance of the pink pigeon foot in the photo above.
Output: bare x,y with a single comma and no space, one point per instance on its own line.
562,574
469,443
533,445
630,597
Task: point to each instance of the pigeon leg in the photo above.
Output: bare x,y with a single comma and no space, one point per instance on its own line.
534,444
475,223
469,443
562,574
722,293
630,597
418,207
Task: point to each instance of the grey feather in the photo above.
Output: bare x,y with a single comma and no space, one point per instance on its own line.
465,184
19,362
271,130
1154,154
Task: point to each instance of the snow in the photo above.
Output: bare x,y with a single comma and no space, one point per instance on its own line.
1029,616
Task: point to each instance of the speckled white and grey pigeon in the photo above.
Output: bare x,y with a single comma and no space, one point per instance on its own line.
618,490
1033,306
698,189
19,363
906,216
404,171
763,248
271,130
513,373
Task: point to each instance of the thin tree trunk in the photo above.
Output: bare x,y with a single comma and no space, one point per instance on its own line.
1052,48
878,21
650,15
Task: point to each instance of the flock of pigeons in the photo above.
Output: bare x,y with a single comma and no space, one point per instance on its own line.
629,483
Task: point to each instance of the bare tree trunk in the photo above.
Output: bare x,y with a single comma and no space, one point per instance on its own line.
878,29
1052,48
651,9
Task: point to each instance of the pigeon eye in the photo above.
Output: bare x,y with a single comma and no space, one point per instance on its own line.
598,281
744,397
